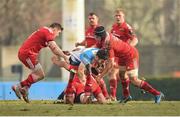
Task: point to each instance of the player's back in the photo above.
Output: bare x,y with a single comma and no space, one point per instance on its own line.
121,48
88,55
37,40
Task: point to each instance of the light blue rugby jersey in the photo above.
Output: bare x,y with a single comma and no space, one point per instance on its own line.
84,55
88,55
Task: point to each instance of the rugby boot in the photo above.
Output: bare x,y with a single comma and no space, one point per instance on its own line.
158,98
126,99
16,89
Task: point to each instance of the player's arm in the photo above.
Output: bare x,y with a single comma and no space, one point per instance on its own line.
56,50
134,41
83,43
108,67
110,63
59,62
81,70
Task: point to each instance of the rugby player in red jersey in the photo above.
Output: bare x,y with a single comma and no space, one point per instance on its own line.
89,40
28,55
128,60
123,31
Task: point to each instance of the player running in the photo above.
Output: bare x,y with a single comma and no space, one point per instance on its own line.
28,55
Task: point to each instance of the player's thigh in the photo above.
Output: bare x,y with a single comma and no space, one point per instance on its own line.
32,63
113,73
122,71
28,60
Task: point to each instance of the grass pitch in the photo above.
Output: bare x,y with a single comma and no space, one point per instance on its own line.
47,108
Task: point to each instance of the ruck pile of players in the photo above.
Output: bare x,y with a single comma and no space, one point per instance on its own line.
101,53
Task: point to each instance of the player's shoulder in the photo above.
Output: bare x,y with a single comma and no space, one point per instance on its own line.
114,25
45,29
128,26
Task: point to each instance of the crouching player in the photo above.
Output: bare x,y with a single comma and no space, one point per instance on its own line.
81,58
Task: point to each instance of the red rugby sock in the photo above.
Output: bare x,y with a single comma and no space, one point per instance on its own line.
28,81
147,87
113,87
125,87
103,88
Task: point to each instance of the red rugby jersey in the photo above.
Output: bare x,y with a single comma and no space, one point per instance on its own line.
123,32
37,40
117,48
89,36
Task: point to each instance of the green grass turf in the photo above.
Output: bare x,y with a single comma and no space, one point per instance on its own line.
47,108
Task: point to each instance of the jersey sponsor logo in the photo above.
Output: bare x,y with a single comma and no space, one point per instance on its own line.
122,29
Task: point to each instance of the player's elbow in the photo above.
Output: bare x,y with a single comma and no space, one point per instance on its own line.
134,42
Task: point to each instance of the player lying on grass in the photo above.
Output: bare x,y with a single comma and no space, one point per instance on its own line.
78,60
78,95
128,62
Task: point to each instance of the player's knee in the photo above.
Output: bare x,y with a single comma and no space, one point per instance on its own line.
122,74
135,81
112,75
69,98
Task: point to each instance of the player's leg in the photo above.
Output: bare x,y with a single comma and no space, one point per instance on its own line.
146,86
113,80
70,89
132,72
60,98
73,68
79,85
36,75
103,87
69,98
113,83
88,89
125,84
99,95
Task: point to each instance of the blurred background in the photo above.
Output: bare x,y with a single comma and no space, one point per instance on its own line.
156,24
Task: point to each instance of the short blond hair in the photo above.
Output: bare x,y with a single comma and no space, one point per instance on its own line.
120,10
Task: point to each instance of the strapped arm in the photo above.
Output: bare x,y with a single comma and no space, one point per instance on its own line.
56,50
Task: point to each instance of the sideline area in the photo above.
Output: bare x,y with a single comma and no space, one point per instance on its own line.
39,91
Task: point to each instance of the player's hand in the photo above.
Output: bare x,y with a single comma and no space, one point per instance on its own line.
98,78
66,59
77,44
66,53
55,58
